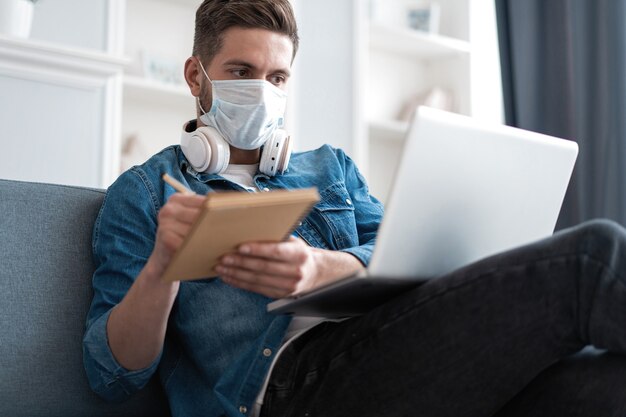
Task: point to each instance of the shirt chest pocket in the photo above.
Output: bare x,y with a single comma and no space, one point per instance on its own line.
331,224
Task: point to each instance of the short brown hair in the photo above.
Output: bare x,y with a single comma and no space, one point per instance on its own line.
214,17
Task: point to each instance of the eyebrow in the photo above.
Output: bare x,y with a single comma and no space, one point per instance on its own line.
238,62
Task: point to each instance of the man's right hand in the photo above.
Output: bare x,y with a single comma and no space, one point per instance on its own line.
174,222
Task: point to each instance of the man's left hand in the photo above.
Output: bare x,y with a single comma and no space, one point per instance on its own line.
280,269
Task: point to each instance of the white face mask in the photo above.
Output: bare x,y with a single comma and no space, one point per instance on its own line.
245,112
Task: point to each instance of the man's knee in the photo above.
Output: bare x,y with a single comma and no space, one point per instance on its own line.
602,234
604,227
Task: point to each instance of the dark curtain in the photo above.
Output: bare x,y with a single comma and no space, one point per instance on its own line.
564,74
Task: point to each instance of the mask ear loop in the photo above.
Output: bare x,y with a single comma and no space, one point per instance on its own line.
204,71
200,105
207,77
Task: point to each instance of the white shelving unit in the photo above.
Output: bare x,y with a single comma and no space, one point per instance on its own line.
153,111
420,45
153,92
352,78
405,65
355,103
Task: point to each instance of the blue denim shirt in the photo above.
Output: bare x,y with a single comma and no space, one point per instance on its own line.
215,355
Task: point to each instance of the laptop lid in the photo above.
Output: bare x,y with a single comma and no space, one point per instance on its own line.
465,190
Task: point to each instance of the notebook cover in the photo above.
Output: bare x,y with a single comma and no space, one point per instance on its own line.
229,219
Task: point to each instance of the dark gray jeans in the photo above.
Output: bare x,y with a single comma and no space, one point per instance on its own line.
489,339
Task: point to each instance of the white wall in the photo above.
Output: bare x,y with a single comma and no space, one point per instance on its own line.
487,104
164,30
324,87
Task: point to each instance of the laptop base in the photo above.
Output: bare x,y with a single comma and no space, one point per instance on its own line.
345,298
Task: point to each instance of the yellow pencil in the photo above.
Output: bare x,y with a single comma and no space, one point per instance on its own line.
177,185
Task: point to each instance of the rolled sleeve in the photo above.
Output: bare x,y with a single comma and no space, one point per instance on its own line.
122,241
106,376
363,253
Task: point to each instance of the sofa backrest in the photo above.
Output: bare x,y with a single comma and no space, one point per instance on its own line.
45,291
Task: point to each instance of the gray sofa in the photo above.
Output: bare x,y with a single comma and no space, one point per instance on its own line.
45,291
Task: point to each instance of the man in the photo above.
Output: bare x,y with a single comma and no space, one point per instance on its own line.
476,337
132,306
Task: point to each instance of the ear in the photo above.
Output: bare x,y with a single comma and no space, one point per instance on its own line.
192,75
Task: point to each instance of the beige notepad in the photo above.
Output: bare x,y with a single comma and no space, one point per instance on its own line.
229,219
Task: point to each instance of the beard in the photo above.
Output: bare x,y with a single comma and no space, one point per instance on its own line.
205,98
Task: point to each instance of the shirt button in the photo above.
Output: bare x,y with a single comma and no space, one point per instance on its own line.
267,352
266,189
348,201
243,409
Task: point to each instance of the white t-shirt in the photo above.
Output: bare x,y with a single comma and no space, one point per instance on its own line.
242,175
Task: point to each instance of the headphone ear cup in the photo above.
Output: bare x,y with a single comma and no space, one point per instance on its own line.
276,153
196,149
205,149
220,150
286,155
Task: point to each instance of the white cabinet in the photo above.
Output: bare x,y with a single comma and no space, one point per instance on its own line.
75,89
61,95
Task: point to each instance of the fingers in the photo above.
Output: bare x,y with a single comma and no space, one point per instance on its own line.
292,250
268,277
268,285
271,269
189,200
183,202
174,222
265,265
184,208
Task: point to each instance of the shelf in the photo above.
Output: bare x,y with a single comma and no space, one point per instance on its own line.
418,44
393,130
144,90
58,57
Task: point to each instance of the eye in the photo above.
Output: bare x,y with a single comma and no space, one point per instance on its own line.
278,80
240,73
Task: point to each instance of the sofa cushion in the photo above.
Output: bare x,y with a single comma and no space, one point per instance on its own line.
45,290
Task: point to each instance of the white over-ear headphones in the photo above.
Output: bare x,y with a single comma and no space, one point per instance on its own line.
207,151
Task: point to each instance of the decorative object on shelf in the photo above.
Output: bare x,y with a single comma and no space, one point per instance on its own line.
436,97
133,152
388,12
161,69
423,16
16,17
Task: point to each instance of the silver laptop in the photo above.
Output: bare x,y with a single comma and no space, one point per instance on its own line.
463,190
